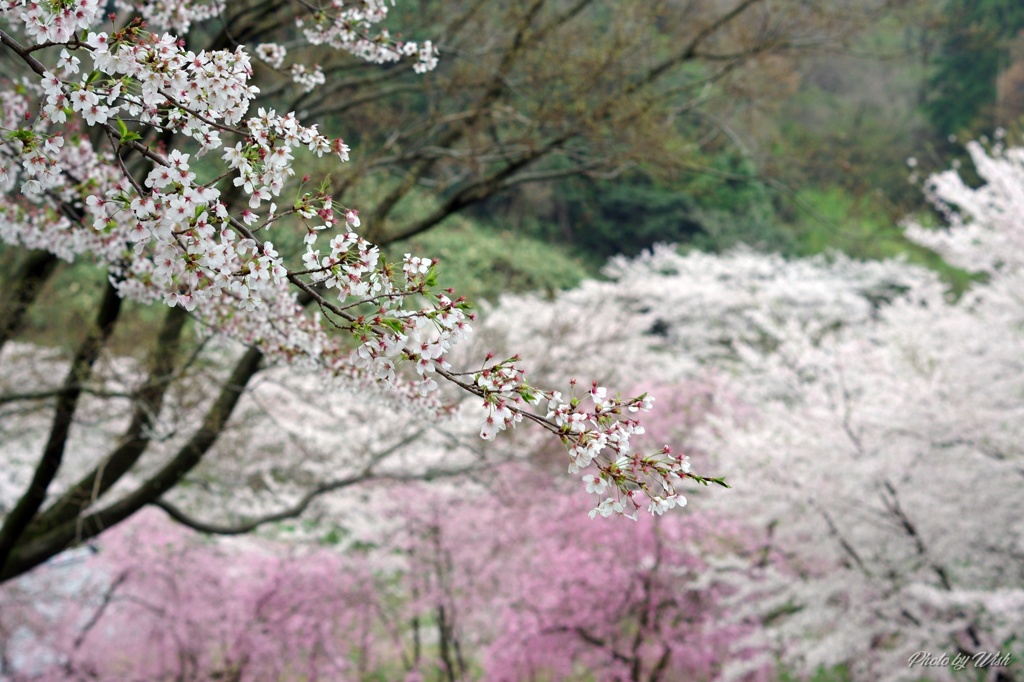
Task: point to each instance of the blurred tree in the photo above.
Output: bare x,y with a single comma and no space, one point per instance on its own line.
551,89
975,40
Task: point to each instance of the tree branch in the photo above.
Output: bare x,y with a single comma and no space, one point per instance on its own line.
690,50
892,503
135,439
843,542
53,393
22,289
297,509
478,190
38,549
81,367
497,85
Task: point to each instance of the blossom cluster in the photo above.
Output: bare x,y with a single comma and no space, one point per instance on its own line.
596,430
173,15
55,22
606,443
347,28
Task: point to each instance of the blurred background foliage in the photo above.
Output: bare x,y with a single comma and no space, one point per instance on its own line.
819,141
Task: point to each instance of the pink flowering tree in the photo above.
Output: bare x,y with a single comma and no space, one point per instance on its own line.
649,603
471,582
131,144
157,602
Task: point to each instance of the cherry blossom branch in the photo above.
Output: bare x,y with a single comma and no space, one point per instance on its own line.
892,503
192,112
184,245
306,500
843,542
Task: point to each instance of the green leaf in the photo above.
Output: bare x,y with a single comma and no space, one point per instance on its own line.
24,135
126,135
706,480
393,325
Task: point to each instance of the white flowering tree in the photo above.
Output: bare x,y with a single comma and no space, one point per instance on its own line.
140,142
